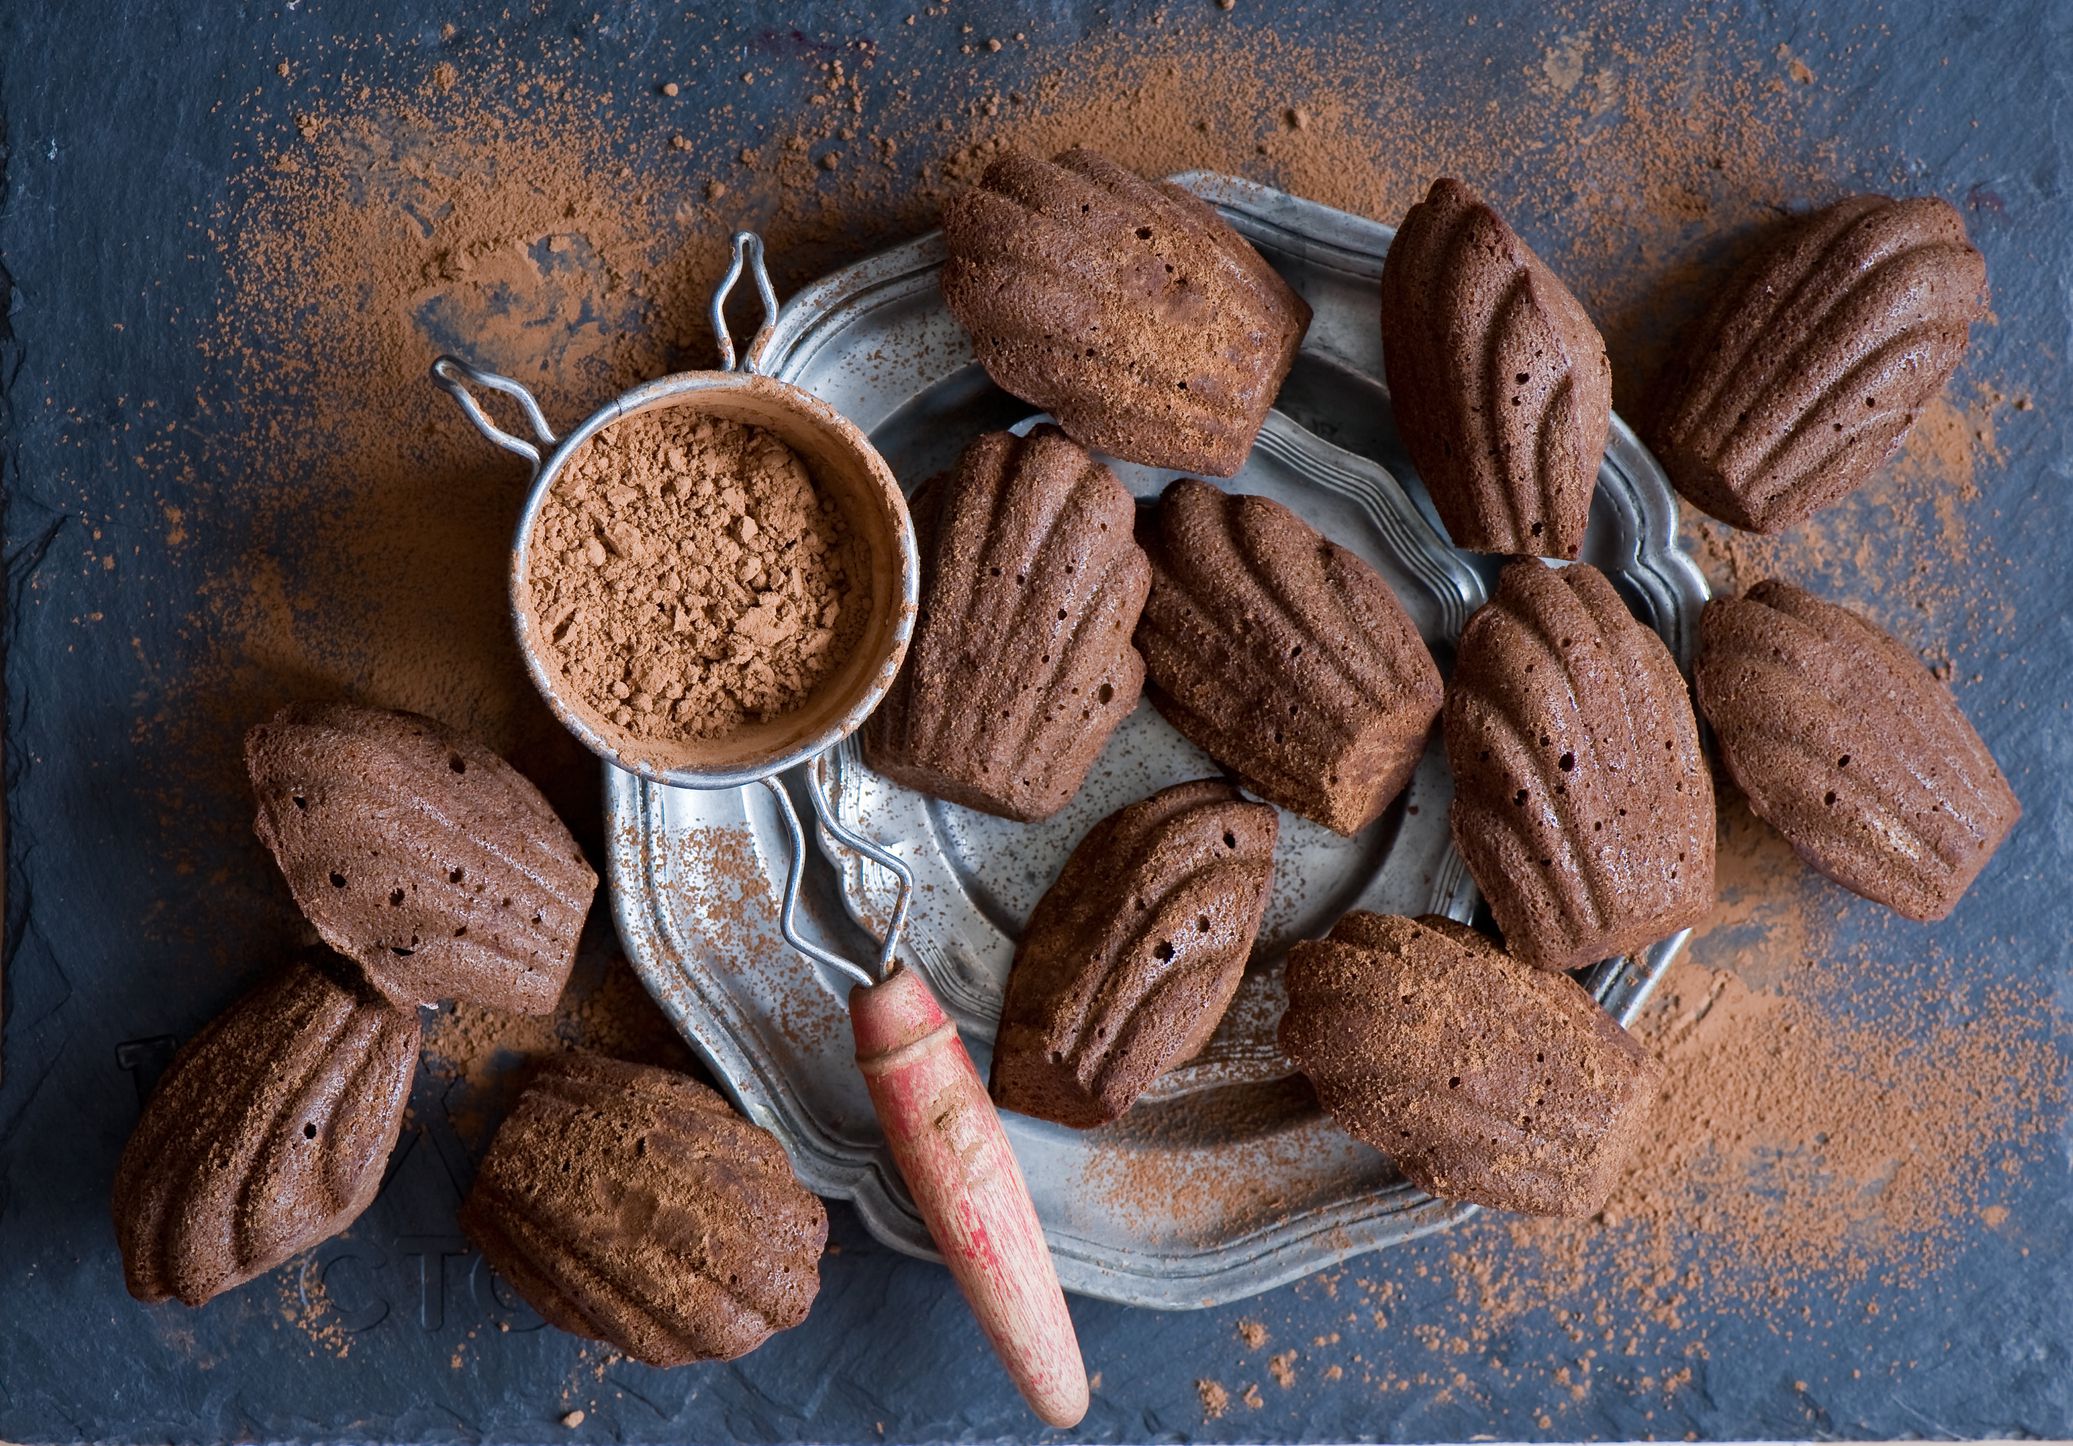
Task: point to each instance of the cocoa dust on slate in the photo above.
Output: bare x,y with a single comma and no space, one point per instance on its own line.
687,577
566,233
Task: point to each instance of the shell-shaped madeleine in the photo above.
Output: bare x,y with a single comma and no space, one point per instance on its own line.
632,1205
1131,958
420,854
1500,383
1483,1078
1852,749
1812,363
1126,308
1582,804
1021,664
1282,655
267,1134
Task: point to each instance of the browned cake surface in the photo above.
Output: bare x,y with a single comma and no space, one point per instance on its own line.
1810,366
1283,656
1483,1078
1582,804
1021,664
632,1205
420,854
1126,308
1133,955
1500,383
267,1134
1849,747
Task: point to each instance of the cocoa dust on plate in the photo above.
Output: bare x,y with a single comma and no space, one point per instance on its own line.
685,577
568,236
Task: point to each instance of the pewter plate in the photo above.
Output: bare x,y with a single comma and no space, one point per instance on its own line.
1226,1179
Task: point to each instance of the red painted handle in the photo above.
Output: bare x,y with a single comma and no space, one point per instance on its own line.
948,1142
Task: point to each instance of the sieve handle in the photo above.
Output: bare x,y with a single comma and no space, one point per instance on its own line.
748,255
814,774
453,375
944,1134
946,1137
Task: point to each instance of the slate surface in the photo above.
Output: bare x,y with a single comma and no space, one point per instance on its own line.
115,139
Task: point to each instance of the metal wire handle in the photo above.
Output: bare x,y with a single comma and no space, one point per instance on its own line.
453,374
795,877
748,250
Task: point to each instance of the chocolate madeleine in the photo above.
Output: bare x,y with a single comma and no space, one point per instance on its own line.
1483,1078
1500,383
420,854
266,1135
632,1205
1126,308
1807,371
1283,656
1021,664
1132,956
1582,805
1849,747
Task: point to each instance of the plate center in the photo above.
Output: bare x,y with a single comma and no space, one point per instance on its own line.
1004,867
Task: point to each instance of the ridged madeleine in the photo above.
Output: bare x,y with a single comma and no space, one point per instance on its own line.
1483,1078
1849,747
1812,364
1132,956
632,1205
267,1134
420,854
1500,383
1126,308
1282,655
1021,664
1582,804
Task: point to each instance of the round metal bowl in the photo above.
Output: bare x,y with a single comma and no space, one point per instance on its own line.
843,462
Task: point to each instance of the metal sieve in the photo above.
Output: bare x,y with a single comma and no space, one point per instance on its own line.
844,464
940,1124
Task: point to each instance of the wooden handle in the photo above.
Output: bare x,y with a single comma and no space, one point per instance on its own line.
948,1142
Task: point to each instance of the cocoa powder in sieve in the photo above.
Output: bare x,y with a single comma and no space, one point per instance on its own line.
687,578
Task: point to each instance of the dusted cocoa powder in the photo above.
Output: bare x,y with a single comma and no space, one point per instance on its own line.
566,229
687,578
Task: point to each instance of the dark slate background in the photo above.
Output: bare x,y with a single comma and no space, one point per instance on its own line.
114,146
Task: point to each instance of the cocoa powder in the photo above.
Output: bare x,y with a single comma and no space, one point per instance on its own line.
1659,148
686,577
